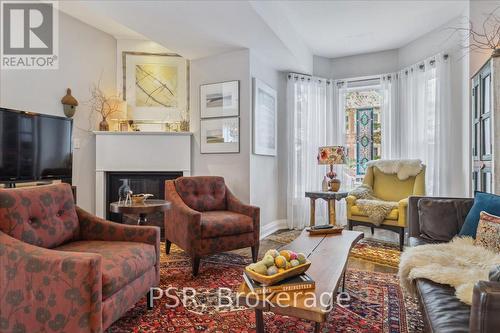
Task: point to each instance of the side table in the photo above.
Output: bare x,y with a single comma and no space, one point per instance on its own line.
330,197
147,207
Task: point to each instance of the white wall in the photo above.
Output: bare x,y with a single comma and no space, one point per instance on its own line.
267,187
357,65
235,168
85,55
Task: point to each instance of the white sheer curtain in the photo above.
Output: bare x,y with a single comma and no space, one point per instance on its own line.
389,116
313,121
425,119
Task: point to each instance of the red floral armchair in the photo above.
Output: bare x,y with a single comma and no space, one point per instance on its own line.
65,270
206,218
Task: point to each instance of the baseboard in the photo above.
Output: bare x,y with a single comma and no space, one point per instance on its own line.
272,227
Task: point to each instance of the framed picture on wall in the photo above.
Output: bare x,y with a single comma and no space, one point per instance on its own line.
264,119
220,99
220,135
155,86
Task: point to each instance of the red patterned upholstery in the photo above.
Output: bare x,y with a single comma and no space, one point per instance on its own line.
82,286
122,262
202,193
41,216
206,218
224,223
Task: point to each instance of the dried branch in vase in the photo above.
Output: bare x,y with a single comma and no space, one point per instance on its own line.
103,104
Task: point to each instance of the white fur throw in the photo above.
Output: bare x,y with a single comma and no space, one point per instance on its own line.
458,263
403,168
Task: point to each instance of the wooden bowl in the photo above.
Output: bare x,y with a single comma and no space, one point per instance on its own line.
269,280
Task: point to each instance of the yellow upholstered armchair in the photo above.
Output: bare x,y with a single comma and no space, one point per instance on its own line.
387,187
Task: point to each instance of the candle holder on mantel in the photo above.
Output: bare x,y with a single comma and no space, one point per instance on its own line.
330,155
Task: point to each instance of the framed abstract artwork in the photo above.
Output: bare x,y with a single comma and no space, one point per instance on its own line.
220,135
264,119
155,86
220,99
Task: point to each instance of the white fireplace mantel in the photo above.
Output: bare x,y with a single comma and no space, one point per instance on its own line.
136,152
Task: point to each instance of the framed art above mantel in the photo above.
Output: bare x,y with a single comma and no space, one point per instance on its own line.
156,86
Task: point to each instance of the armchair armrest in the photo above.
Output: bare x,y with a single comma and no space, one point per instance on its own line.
62,290
182,223
235,205
96,228
351,200
485,307
402,212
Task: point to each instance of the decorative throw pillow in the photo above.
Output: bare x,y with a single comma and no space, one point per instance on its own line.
488,232
487,202
439,219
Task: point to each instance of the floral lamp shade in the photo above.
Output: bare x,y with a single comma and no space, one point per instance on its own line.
331,155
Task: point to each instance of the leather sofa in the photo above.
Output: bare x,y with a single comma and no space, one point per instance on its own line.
65,270
434,220
206,218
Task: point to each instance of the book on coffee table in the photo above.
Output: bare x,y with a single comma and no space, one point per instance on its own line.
294,283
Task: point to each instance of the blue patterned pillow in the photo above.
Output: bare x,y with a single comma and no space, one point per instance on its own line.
490,203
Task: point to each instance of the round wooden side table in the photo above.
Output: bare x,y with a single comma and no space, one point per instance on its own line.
148,207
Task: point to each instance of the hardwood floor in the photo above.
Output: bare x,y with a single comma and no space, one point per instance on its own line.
283,237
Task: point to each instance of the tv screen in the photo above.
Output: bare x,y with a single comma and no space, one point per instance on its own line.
34,146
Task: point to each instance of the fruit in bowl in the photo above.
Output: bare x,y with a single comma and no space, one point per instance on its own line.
276,262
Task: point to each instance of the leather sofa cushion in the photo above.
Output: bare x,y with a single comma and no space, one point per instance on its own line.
416,241
439,219
202,193
442,311
393,215
224,223
43,216
122,262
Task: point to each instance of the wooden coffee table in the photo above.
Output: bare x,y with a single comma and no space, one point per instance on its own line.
328,255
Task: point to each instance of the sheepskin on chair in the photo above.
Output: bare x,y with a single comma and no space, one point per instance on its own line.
458,263
403,168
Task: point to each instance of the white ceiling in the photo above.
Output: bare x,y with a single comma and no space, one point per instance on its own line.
340,28
285,33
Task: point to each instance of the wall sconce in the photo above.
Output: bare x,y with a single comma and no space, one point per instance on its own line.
69,104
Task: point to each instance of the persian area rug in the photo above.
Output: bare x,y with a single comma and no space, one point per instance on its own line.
382,253
377,303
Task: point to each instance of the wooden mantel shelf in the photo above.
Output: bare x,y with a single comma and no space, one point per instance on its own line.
140,133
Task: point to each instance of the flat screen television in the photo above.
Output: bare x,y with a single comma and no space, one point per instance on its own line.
34,146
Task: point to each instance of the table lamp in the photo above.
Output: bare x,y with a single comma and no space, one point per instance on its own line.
332,155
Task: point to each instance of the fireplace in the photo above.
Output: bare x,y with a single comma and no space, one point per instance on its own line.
139,182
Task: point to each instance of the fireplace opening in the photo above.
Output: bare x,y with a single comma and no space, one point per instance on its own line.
139,182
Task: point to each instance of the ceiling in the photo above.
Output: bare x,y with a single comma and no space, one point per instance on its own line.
284,33
341,28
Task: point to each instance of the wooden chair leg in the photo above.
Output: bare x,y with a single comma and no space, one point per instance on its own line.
255,252
349,224
401,239
373,230
167,246
149,300
196,265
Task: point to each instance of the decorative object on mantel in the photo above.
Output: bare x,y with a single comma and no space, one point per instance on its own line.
69,104
220,99
330,155
104,105
155,86
264,119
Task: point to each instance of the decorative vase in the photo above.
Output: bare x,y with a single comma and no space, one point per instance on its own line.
123,190
103,125
334,185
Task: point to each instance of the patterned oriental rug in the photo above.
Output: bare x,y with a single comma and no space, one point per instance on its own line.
380,252
377,303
